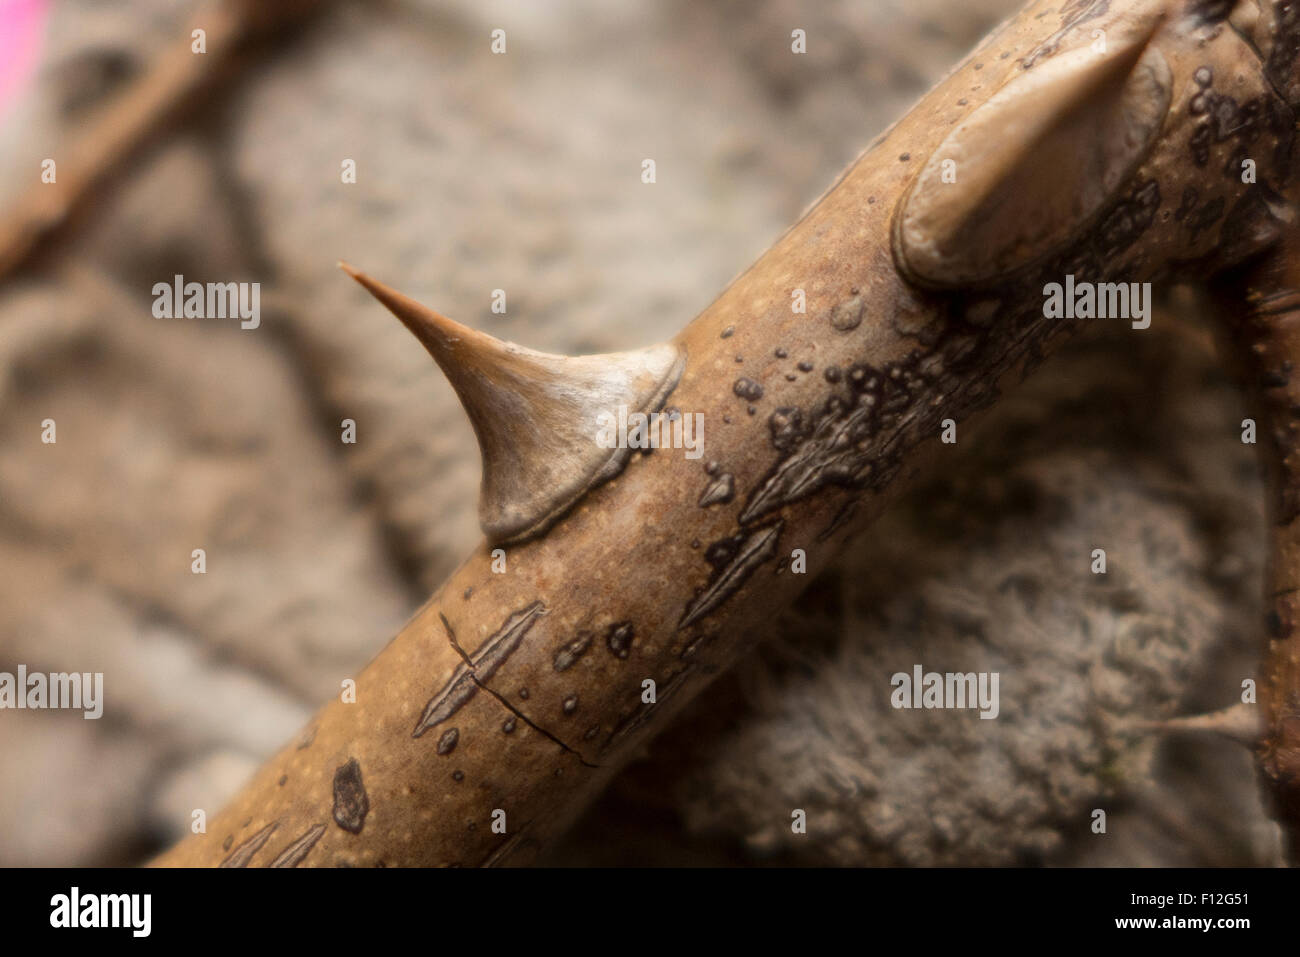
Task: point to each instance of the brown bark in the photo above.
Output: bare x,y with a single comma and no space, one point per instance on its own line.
1261,304
521,692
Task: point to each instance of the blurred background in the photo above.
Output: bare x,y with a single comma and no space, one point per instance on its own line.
521,171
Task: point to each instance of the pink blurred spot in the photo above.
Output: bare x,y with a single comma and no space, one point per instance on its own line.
20,40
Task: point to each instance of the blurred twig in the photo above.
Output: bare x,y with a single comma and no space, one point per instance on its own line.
169,88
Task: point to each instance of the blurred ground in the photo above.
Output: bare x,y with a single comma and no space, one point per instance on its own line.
522,172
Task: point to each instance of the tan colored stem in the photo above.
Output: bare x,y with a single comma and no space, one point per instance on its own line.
520,690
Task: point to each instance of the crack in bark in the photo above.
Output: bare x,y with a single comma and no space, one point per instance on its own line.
470,673
491,655
451,636
532,724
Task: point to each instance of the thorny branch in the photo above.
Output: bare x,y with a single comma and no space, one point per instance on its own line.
1042,155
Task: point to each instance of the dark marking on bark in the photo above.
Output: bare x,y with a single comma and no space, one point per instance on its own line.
293,855
787,428
447,742
481,666
1128,220
720,553
719,492
856,439
619,639
570,653
747,389
245,851
1222,118
502,645
1208,215
458,690
351,803
835,450
756,548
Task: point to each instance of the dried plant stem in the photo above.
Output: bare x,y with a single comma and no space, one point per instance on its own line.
534,673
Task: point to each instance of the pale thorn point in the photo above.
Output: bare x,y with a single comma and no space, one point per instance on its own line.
1240,722
536,415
